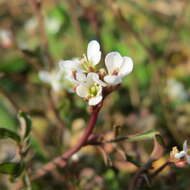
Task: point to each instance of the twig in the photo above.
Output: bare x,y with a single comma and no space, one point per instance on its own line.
160,169
61,161
101,142
137,179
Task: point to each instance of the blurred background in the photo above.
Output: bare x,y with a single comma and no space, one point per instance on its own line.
35,35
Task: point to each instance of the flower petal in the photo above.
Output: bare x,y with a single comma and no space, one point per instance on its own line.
127,66
56,85
113,61
69,64
95,78
93,52
112,79
180,155
95,100
185,146
82,91
90,80
81,77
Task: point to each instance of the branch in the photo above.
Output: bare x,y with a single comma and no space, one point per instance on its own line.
95,141
137,179
160,169
61,161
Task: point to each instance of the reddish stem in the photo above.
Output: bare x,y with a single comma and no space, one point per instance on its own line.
61,161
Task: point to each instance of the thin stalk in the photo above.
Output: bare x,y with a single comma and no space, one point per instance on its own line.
61,161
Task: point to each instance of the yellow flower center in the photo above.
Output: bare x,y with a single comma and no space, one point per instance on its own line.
86,65
93,90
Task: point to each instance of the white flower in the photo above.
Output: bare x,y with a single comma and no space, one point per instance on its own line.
184,154
91,88
70,68
117,67
54,78
93,57
86,64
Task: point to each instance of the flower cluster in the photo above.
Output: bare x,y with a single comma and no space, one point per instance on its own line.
180,158
87,80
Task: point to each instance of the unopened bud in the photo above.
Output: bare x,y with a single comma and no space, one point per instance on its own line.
102,73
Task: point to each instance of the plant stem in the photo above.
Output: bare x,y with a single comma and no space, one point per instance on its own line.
137,181
160,169
61,161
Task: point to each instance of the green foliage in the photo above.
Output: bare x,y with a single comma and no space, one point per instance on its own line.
17,169
25,122
6,133
14,169
144,136
13,64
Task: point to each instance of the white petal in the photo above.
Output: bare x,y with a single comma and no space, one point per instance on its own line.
95,78
127,66
45,76
93,52
113,61
185,146
82,91
95,100
180,155
90,78
95,59
112,79
69,64
92,75
81,77
56,86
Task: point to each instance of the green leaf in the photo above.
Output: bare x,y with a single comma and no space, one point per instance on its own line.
26,123
6,133
144,136
160,140
139,137
14,169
